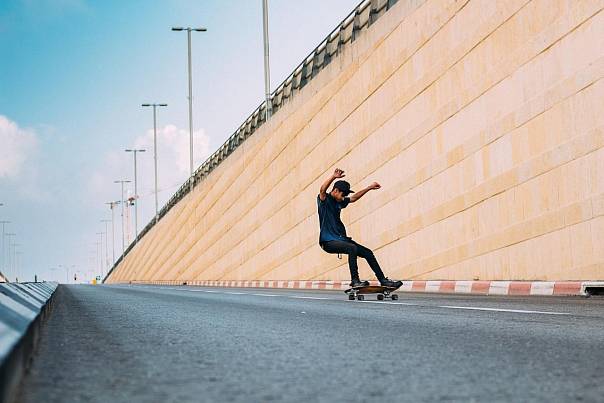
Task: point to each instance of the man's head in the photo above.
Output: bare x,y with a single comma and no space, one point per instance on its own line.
340,190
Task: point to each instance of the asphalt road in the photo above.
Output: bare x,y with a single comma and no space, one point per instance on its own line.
189,344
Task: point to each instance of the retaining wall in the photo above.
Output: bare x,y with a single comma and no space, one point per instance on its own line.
482,120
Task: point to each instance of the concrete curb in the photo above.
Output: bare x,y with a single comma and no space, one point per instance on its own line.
23,307
439,286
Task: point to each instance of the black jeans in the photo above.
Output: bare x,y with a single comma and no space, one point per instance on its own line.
353,249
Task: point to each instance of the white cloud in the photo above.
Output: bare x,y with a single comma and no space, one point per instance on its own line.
17,147
173,167
173,152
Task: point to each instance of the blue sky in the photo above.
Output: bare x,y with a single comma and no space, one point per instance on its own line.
73,74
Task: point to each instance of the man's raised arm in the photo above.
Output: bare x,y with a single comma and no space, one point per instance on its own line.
360,193
337,174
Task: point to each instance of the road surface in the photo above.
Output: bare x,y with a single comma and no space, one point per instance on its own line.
194,344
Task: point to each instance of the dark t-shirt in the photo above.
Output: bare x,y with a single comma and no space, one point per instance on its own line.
332,228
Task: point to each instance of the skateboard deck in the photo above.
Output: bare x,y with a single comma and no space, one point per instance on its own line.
381,291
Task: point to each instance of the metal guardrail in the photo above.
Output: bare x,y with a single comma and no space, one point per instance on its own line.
23,307
363,16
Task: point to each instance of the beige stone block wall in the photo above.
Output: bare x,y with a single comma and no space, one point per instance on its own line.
484,122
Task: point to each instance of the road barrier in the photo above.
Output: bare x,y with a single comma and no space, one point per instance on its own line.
477,287
23,306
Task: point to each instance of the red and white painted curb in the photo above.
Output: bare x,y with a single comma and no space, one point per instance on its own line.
444,286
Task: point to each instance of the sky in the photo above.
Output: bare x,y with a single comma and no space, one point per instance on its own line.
73,76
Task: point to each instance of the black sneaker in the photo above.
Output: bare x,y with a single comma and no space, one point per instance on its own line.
386,282
359,283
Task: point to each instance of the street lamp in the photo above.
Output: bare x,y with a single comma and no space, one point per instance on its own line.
53,269
99,257
106,241
67,271
155,152
14,261
267,72
3,247
134,151
9,266
122,202
18,262
111,206
189,29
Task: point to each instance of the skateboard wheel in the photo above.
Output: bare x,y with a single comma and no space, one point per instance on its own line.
351,297
380,297
360,297
394,297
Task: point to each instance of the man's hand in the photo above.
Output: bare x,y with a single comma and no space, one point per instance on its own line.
374,186
338,173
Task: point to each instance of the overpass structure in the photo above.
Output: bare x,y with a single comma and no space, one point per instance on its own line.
482,120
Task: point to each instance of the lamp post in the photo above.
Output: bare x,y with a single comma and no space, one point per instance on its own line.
189,29
67,270
122,203
93,256
99,251
66,273
9,266
155,152
267,72
3,247
106,247
14,260
53,269
18,262
134,151
111,206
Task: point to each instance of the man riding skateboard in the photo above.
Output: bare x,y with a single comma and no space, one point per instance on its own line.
333,238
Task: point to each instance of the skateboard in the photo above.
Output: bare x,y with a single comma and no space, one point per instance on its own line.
381,291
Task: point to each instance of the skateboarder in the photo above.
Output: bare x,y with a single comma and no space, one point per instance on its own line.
333,238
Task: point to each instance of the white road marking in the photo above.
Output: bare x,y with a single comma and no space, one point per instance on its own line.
475,308
301,297
471,308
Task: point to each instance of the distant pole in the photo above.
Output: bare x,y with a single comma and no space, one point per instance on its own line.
99,245
18,263
122,202
106,247
111,206
11,262
14,259
3,243
155,157
9,267
66,273
99,251
190,111
134,151
155,153
190,97
267,72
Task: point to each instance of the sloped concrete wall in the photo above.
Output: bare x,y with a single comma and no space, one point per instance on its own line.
483,121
